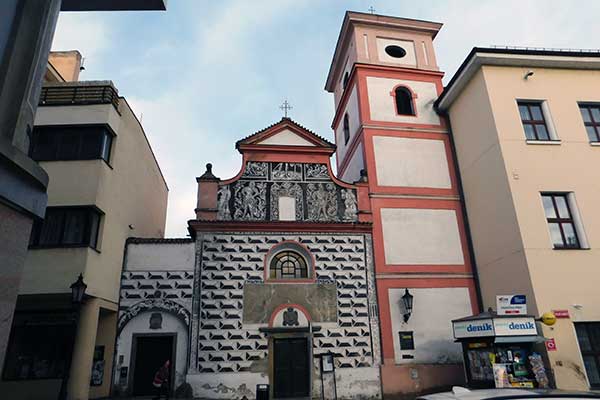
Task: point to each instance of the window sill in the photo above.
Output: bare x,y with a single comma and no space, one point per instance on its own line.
571,248
544,142
595,144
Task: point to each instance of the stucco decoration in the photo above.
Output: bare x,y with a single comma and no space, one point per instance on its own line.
322,201
316,172
256,170
224,213
286,189
287,171
250,204
157,304
350,207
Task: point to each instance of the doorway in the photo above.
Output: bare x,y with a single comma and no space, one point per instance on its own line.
291,369
149,353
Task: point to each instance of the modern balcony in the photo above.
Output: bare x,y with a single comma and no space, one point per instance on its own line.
79,93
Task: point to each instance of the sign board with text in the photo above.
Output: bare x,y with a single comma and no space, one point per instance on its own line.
517,326
511,304
478,328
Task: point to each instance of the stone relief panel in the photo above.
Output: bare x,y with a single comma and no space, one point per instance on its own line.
228,262
254,197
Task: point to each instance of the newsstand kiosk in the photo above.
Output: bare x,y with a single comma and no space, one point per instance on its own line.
499,352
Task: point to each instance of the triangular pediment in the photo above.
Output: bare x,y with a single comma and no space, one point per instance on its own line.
286,133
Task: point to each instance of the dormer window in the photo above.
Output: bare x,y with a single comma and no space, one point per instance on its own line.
404,101
346,129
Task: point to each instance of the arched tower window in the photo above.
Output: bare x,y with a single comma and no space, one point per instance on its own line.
289,260
404,101
346,129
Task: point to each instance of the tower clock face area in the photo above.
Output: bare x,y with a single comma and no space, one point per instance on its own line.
395,51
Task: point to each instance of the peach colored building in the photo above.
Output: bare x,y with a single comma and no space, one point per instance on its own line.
526,126
385,79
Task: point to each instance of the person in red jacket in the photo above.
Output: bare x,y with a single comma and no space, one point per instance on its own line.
161,380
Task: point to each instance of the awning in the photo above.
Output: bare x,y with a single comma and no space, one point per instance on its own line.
520,339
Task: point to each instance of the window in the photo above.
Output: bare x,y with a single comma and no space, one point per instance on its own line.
395,51
533,120
53,143
588,336
591,119
288,265
28,357
404,103
560,221
67,226
346,129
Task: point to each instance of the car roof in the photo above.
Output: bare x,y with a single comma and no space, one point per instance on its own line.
460,393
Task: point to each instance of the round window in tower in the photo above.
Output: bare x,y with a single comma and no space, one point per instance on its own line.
395,51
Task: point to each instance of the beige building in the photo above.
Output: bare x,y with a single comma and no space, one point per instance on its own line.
105,186
526,127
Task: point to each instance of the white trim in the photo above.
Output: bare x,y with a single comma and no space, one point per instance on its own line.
577,221
544,142
549,123
595,144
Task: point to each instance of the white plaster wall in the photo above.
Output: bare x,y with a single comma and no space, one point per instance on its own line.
160,257
430,322
356,163
410,59
357,383
226,385
411,162
383,107
353,119
421,236
141,324
286,138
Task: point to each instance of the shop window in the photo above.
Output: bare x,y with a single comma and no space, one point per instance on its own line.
404,101
289,260
591,119
561,222
67,227
28,357
588,336
63,143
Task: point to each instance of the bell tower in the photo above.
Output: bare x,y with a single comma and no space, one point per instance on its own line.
385,80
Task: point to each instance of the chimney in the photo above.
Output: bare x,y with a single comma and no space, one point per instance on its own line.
67,63
208,188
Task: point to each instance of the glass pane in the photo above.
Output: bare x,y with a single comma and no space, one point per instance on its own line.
93,230
542,132
592,133
591,367
536,112
68,147
106,145
44,146
583,338
594,332
529,132
585,114
91,145
595,114
570,236
548,207
561,204
524,111
75,222
52,227
555,235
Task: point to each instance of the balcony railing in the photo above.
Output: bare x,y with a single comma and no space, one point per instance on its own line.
82,94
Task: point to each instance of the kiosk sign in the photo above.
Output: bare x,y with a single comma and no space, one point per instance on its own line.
511,304
517,326
477,328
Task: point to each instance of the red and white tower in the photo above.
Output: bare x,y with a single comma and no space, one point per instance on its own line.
385,79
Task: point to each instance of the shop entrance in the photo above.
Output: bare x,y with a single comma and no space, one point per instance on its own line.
149,353
291,367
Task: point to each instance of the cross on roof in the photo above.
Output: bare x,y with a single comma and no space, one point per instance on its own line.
371,10
286,107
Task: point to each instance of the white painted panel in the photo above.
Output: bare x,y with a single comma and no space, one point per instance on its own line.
410,59
287,208
383,107
411,162
357,162
160,257
421,236
430,322
79,115
354,121
286,138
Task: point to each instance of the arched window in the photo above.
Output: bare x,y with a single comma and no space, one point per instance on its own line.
288,264
404,101
346,129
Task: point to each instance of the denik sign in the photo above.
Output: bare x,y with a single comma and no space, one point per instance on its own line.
480,328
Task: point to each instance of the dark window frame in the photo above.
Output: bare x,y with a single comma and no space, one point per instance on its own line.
346,128
593,123
61,131
91,229
345,80
534,123
276,265
404,101
560,221
584,327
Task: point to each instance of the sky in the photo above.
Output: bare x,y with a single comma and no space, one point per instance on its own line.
204,74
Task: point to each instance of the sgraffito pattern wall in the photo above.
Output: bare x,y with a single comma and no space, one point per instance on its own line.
227,262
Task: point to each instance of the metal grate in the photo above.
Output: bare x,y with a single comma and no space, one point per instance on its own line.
79,95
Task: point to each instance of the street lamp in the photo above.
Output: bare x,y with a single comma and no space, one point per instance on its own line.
77,294
407,301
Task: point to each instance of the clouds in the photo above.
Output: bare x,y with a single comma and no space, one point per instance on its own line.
205,74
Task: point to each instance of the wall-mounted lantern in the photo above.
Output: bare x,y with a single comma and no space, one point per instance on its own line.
407,301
